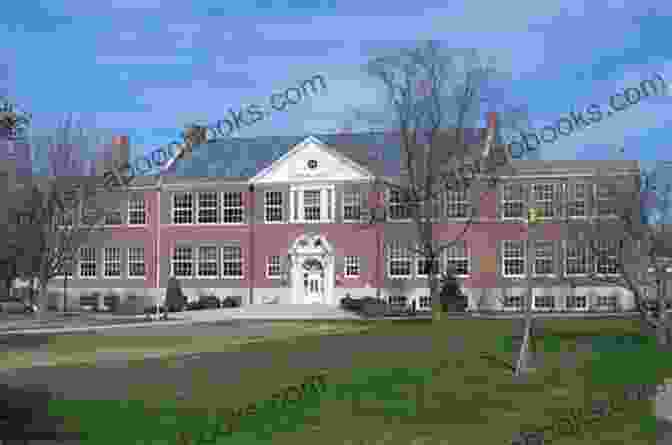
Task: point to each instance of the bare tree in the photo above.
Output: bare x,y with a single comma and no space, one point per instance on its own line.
434,122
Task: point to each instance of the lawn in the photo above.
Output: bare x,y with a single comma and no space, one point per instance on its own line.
417,398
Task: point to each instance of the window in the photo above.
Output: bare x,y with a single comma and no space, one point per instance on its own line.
607,300
208,208
607,256
513,302
457,257
576,207
544,302
87,262
423,264
64,264
89,215
512,201
544,198
232,208
606,199
232,262
399,262
183,211
397,300
311,205
273,206
112,262
577,257
425,302
136,212
207,262
514,258
351,266
183,262
273,268
63,219
113,217
136,262
457,203
543,257
351,206
576,302
397,209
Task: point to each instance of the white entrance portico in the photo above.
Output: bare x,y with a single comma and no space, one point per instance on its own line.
312,270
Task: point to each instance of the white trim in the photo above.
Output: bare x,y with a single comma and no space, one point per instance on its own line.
172,261
282,205
79,262
198,260
268,264
358,194
552,257
105,262
322,188
128,264
388,259
242,207
242,264
524,256
468,256
358,263
172,209
197,208
128,212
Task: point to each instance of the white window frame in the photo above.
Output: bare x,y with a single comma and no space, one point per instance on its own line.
597,201
514,258
175,258
420,259
458,199
581,246
200,261
403,257
537,307
208,208
174,209
267,206
389,203
352,262
398,300
132,259
116,260
608,298
352,198
576,307
504,202
226,261
424,303
508,303
117,212
572,200
271,264
452,259
546,201
134,209
81,261
237,209
599,248
550,258
327,203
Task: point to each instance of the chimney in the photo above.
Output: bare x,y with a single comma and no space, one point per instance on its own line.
113,154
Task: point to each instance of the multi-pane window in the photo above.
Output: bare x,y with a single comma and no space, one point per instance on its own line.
457,202
607,256
577,258
544,198
136,262
543,257
232,207
576,205
351,206
273,267
207,262
112,262
183,262
136,212
576,302
311,205
232,262
399,261
425,302
351,266
457,258
423,263
544,302
208,208
397,300
397,208
606,199
513,203
183,208
513,301
607,300
273,206
112,217
514,258
87,262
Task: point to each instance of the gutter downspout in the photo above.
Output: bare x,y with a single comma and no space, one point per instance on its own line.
251,213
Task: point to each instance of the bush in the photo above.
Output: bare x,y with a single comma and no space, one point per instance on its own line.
230,302
451,297
175,299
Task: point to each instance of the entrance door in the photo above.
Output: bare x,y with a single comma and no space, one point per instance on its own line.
313,283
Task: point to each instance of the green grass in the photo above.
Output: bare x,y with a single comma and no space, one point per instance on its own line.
440,397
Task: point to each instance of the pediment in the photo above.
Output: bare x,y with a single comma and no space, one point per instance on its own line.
312,160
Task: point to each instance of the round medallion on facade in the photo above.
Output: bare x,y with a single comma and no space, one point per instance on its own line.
312,164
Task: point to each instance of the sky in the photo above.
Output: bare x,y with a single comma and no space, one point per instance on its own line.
146,68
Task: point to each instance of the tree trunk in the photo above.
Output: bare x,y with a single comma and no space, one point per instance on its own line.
434,295
524,355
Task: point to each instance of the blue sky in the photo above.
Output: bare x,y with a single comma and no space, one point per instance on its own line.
148,67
